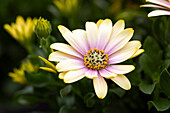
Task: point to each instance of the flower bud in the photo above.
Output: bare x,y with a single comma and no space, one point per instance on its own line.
43,28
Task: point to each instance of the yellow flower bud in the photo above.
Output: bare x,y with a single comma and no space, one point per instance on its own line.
43,28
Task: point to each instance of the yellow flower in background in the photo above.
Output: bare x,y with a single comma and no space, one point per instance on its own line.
51,67
21,30
66,6
19,76
118,5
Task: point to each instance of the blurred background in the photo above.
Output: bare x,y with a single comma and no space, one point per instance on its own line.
73,17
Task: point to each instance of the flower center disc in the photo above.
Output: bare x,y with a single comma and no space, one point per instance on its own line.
96,59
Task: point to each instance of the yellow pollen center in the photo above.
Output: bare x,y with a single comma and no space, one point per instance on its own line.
96,59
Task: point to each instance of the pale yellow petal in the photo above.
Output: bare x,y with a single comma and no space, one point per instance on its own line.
122,81
61,75
158,13
118,27
104,33
63,29
120,69
69,64
99,22
91,29
119,41
66,49
100,87
60,56
73,76
121,56
140,51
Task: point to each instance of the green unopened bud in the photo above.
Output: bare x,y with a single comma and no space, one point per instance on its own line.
43,28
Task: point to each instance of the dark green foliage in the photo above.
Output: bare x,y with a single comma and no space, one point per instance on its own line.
150,80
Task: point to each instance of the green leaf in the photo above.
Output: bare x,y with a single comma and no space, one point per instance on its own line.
28,100
134,77
147,88
68,101
161,104
65,91
40,79
65,109
118,91
26,90
153,50
165,82
89,99
147,64
151,61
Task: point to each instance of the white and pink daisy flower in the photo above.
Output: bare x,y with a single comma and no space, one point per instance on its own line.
95,52
163,5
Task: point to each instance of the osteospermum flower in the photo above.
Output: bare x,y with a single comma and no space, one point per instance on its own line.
66,6
19,76
94,54
22,30
163,5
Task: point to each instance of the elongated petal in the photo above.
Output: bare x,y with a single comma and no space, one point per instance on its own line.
118,27
67,65
91,29
122,81
99,22
131,45
107,74
73,76
66,49
100,87
154,6
51,65
61,75
137,53
28,27
60,56
63,29
119,41
91,74
48,69
104,33
20,20
120,69
121,56
158,13
82,40
160,2
72,39
11,30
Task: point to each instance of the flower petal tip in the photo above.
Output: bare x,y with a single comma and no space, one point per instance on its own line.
121,20
65,81
141,6
101,97
133,68
128,88
41,58
107,19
